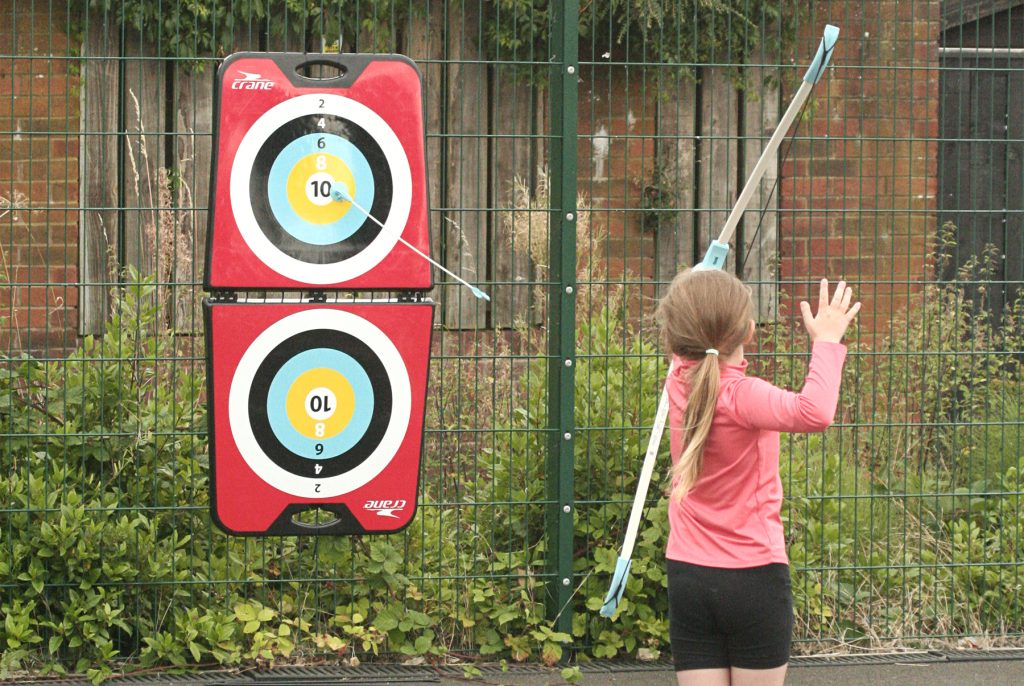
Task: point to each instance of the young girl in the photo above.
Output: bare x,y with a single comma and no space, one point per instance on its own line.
730,602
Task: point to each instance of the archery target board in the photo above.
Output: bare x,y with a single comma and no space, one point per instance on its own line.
316,406
318,181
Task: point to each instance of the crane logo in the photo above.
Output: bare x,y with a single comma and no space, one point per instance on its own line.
385,508
249,81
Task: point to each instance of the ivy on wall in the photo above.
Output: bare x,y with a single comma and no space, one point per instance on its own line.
201,28
681,32
674,32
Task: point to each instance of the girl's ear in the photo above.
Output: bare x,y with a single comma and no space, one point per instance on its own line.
750,333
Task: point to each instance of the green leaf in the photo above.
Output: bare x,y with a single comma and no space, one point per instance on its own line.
423,644
386,620
571,674
245,613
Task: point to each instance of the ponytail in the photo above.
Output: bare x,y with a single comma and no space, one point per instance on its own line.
704,313
700,410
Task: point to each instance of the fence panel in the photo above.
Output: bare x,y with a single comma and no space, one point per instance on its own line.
572,197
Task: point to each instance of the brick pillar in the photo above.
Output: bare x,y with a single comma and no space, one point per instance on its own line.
39,129
859,200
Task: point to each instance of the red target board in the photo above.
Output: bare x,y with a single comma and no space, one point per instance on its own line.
316,407
318,182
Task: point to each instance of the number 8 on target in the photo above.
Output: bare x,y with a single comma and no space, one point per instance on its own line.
319,182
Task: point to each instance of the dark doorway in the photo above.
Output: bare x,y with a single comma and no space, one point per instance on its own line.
981,150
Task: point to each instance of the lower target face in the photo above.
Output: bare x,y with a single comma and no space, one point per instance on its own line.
320,403
321,188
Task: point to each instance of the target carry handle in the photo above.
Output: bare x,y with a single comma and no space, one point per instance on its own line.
326,70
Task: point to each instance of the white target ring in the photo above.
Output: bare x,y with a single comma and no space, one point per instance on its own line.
397,215
241,388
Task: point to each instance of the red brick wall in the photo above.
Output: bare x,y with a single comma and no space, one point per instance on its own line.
616,156
38,181
859,201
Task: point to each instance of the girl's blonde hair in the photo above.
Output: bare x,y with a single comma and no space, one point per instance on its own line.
703,308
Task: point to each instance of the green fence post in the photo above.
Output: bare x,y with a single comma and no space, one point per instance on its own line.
562,310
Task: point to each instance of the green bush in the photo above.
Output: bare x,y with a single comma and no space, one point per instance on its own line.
903,520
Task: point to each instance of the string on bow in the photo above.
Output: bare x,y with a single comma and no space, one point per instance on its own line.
714,258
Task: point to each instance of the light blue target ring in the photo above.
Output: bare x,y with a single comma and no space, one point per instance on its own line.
277,412
277,188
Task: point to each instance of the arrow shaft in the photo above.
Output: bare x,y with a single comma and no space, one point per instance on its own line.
409,245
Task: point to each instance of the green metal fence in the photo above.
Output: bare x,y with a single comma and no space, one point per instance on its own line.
578,153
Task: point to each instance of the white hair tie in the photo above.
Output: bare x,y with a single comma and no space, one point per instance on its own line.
711,351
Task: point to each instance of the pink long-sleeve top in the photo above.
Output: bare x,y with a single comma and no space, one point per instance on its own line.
731,517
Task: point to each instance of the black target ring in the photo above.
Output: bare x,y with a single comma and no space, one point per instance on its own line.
325,466
259,191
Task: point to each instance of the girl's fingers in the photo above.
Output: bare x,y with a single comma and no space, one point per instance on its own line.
840,290
847,297
823,296
853,311
805,310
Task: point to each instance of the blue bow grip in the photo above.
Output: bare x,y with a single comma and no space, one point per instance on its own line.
821,58
714,258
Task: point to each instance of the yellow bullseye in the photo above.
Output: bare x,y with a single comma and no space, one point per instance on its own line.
309,188
320,403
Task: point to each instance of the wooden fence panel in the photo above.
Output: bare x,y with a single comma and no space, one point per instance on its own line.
709,146
425,41
676,146
464,228
98,176
193,155
716,191
513,110
483,129
760,117
145,127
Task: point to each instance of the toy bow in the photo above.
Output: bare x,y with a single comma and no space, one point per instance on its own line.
714,258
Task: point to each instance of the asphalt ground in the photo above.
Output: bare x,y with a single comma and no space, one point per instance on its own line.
925,668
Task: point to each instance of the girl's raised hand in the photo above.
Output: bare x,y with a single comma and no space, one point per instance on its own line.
833,317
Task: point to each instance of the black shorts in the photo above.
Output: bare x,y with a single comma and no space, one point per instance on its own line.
729,617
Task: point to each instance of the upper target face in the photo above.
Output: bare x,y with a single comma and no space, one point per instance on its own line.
319,182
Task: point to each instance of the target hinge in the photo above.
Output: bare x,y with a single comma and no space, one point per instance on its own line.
410,297
224,296
317,297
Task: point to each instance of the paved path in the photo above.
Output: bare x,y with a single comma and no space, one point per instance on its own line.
992,668
959,672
